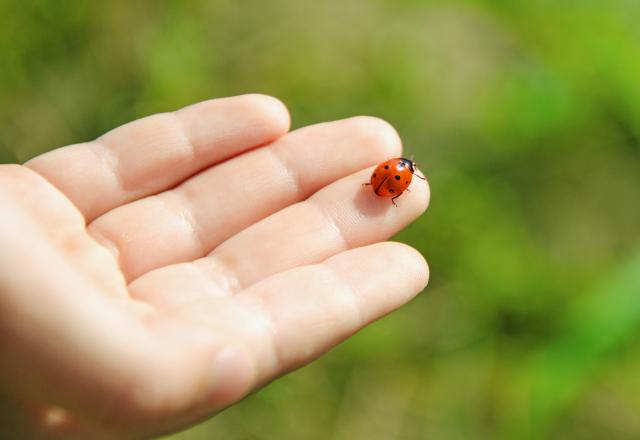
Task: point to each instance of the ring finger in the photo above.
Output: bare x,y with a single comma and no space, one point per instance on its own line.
341,216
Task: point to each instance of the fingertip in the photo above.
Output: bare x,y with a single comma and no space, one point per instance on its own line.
419,267
423,195
414,265
424,181
378,135
269,111
254,118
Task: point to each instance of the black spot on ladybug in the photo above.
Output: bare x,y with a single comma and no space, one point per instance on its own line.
407,182
374,175
386,167
397,177
391,190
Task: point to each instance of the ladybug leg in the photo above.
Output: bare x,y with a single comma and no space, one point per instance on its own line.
366,184
393,200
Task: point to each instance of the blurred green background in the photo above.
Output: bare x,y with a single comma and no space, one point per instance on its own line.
524,115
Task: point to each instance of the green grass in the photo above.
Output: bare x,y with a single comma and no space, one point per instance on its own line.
525,117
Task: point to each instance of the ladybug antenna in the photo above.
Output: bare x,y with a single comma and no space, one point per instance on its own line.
415,166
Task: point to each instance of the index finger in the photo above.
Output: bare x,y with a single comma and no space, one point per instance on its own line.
157,152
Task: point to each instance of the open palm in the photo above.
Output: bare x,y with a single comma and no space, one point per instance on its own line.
160,273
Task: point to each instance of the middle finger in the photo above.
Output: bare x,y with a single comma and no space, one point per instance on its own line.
187,222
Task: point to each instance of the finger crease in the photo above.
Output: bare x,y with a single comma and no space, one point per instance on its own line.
293,177
215,286
268,324
232,282
186,215
181,129
109,161
331,223
106,242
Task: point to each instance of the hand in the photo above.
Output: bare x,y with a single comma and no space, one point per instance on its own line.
152,277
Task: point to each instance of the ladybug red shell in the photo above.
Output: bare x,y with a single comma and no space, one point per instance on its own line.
393,177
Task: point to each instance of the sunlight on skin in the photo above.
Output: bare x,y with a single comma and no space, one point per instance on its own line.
162,272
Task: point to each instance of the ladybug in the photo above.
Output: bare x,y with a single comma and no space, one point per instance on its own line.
393,177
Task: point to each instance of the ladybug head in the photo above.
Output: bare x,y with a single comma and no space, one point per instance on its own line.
411,165
408,163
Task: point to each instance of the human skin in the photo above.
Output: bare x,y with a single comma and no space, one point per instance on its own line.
158,274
